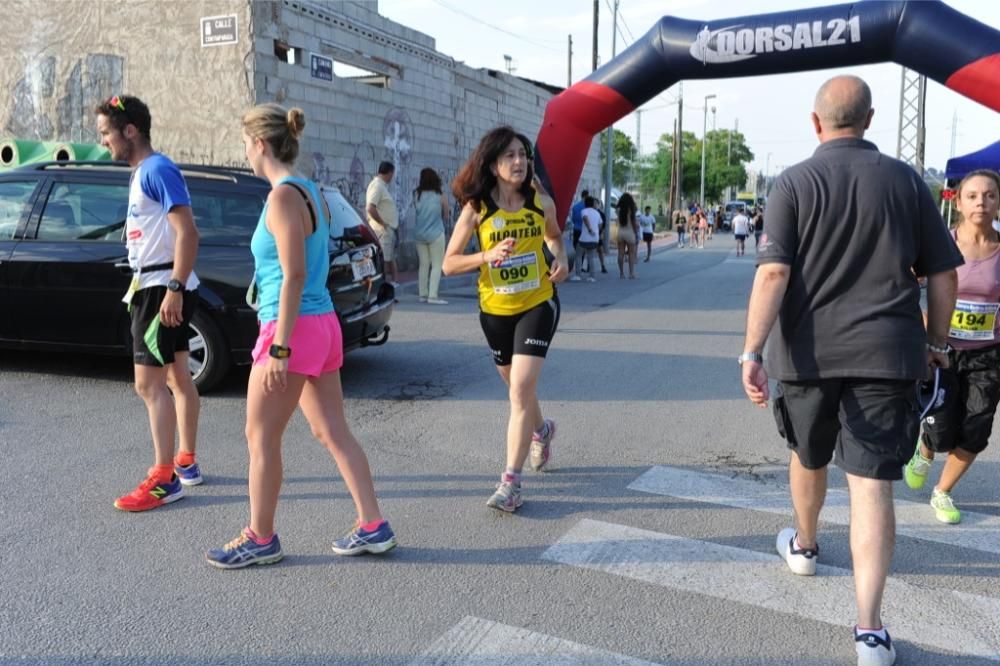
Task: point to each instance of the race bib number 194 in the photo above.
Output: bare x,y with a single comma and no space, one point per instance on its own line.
973,321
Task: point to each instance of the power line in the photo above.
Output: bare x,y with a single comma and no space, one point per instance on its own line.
493,27
618,25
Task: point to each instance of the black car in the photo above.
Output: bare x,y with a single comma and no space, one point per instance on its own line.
64,269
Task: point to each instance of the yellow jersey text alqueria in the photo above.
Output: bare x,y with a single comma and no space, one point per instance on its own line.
519,283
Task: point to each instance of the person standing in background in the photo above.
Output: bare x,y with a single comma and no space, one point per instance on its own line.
428,233
383,217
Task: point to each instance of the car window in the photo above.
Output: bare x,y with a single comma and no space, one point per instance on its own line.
14,199
84,211
225,218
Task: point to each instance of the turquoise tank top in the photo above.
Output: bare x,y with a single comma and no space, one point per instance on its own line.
429,224
268,274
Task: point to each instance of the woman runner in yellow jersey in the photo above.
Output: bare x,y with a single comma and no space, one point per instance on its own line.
520,259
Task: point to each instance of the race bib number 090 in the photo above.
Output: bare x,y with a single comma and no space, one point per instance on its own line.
973,321
516,274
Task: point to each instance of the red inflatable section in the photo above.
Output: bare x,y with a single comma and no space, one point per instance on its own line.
583,111
979,80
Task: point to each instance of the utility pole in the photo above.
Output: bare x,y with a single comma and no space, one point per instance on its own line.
638,151
594,59
679,148
609,136
569,62
672,195
704,140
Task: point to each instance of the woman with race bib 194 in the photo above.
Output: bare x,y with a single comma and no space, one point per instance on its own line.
521,258
962,427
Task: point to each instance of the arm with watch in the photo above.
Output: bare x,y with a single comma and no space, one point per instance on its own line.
181,220
769,286
942,289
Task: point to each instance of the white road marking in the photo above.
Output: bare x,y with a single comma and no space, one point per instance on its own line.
478,642
942,619
977,531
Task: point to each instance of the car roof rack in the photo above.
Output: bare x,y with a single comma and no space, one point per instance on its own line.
233,174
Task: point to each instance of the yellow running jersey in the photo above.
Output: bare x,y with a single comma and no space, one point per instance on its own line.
519,283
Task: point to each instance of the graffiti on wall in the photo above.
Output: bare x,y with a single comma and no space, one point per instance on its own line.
396,146
37,98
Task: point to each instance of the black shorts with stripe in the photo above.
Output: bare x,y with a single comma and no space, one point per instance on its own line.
528,333
153,343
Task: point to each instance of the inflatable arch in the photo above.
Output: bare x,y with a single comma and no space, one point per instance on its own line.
927,37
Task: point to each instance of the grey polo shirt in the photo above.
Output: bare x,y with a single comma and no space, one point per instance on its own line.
856,227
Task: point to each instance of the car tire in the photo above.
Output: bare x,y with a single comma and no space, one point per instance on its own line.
209,357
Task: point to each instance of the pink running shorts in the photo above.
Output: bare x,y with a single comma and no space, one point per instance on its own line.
317,344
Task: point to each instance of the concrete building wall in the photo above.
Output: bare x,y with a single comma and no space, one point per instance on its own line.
432,112
65,57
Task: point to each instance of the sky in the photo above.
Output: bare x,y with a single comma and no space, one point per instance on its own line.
772,111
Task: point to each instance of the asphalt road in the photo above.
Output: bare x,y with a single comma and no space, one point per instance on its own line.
642,375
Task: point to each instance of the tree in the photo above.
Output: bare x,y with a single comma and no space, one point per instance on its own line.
725,165
622,154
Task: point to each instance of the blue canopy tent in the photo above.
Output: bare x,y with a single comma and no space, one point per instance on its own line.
987,158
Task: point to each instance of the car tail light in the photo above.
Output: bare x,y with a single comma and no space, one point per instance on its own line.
367,235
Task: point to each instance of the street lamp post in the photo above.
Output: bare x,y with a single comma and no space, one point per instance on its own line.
704,131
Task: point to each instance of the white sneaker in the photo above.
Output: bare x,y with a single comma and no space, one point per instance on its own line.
575,278
802,561
591,279
423,299
437,301
873,651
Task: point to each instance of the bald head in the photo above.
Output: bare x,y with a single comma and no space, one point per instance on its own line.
843,105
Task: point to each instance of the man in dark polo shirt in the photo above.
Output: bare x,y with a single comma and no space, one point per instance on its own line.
846,234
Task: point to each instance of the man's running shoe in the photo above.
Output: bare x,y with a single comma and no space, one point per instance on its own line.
507,497
944,508
915,472
243,551
873,650
541,449
190,475
359,541
802,561
575,278
150,494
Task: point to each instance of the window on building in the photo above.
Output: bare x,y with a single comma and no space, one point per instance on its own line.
366,76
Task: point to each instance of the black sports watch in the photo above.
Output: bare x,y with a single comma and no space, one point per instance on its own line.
277,351
175,285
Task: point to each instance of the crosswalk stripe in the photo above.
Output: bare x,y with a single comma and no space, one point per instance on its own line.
977,531
478,642
943,619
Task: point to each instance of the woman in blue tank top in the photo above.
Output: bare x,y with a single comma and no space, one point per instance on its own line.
299,351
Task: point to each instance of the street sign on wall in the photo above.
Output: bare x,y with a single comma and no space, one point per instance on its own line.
321,67
218,30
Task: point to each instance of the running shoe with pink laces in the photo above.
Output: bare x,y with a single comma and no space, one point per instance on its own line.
541,446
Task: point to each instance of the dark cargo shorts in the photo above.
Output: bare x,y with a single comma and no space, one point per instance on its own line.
967,418
869,426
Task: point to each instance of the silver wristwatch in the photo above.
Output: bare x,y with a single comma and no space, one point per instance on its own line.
749,356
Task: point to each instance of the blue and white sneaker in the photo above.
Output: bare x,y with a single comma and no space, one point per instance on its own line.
244,551
190,475
359,541
873,650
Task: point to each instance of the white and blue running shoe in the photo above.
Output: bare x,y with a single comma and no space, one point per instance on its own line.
359,541
243,552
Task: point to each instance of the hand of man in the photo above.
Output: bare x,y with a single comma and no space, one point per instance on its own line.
938,360
755,383
170,309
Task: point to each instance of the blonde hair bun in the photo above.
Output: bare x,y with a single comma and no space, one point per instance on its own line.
296,121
